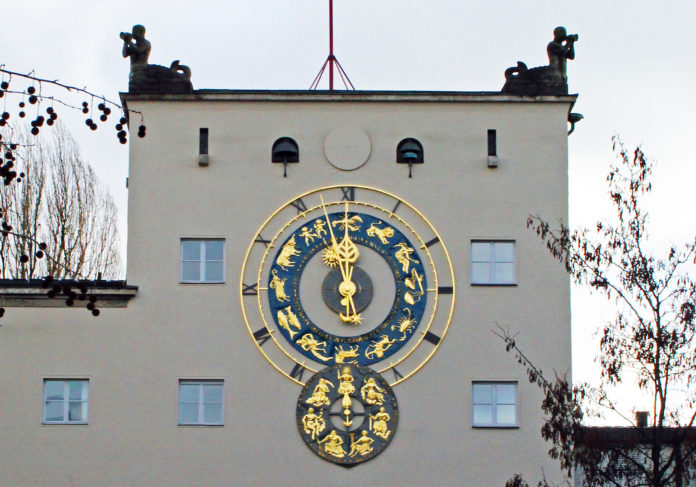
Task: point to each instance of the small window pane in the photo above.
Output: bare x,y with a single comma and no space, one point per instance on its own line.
54,411
481,252
505,414
483,394
212,413
190,271
504,252
77,388
213,271
188,413
505,394
54,389
483,414
77,411
504,272
190,250
480,272
213,250
189,393
212,393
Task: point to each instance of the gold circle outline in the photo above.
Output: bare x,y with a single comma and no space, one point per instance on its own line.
358,203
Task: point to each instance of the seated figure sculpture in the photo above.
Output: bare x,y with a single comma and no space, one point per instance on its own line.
544,80
152,78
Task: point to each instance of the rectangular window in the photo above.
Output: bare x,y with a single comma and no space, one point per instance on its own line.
494,404
492,144
202,260
203,141
493,262
200,402
65,401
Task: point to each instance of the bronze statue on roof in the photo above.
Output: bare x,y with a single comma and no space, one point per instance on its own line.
544,80
152,78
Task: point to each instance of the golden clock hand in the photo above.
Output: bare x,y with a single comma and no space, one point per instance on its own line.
334,243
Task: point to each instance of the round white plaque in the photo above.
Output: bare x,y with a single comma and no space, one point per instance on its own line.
347,148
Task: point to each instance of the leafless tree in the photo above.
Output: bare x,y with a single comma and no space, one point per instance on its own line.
652,337
64,221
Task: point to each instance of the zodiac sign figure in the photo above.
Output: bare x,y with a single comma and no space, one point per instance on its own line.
320,228
285,321
352,223
279,285
379,347
286,253
412,282
308,235
313,423
378,423
404,324
342,355
361,447
371,393
319,397
311,344
383,234
403,255
333,445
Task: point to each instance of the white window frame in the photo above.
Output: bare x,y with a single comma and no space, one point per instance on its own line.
495,423
201,260
493,279
201,403
66,401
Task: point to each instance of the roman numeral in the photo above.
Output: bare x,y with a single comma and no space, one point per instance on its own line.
300,205
250,289
432,338
397,374
396,206
445,290
260,239
297,372
348,193
262,335
432,242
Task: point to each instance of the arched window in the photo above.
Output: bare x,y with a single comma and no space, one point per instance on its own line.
285,150
409,151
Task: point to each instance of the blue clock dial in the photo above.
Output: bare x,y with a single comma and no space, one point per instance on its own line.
346,283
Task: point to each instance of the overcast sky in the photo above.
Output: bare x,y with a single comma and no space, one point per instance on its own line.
634,71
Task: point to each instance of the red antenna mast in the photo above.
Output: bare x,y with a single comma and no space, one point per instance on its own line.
331,61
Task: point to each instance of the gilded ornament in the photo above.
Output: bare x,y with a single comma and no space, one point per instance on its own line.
311,344
405,324
362,446
372,423
313,423
286,253
378,347
379,423
383,234
371,392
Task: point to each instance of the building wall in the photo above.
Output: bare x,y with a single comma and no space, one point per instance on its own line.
134,357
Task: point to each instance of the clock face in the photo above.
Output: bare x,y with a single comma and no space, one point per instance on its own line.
347,275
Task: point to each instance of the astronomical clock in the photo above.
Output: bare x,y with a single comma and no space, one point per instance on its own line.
347,291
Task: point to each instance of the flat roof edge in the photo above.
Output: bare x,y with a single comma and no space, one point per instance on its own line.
347,96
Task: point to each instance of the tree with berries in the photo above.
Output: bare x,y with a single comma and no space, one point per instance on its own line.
652,338
64,222
34,219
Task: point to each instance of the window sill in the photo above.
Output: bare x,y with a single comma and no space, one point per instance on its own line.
202,282
493,284
64,423
496,427
199,425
